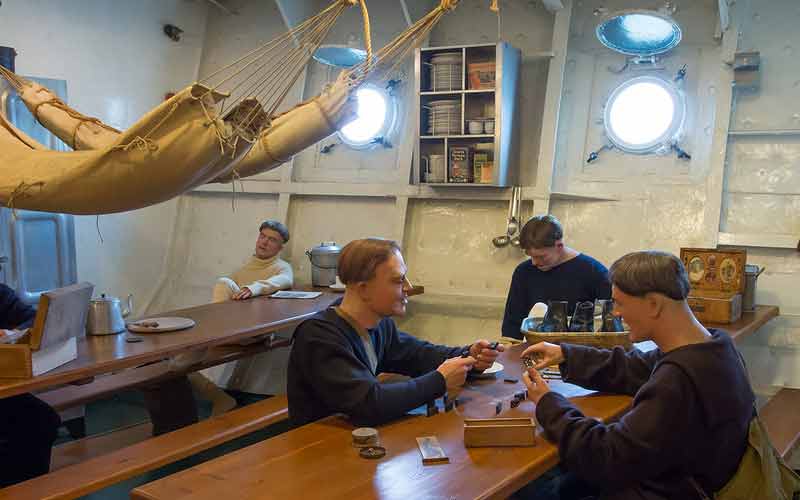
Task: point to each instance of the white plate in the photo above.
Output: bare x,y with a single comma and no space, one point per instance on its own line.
491,371
337,287
165,324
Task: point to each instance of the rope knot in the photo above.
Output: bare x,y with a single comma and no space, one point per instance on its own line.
144,144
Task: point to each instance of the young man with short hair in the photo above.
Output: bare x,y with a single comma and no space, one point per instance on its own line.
692,401
554,272
338,354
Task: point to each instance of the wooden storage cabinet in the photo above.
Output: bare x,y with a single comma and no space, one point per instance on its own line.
466,98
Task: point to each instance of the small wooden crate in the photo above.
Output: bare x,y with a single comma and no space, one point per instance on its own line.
603,340
60,318
480,432
717,282
716,307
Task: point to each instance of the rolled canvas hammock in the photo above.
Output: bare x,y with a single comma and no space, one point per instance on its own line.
219,129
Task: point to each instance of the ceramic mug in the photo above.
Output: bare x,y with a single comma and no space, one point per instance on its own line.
433,166
475,126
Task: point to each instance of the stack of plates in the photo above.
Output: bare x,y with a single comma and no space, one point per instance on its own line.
447,71
444,117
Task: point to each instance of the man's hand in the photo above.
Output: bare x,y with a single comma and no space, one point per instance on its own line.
483,354
244,293
537,387
544,354
454,371
11,336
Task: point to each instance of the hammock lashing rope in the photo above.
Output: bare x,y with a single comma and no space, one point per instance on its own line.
229,115
184,142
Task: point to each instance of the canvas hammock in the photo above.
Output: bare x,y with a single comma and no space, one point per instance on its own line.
216,130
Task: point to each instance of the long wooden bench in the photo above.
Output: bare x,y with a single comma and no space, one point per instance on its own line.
73,395
110,467
781,417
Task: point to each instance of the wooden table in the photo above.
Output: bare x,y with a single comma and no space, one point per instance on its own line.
318,461
217,324
749,323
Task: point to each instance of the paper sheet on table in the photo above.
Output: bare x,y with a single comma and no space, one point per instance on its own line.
286,294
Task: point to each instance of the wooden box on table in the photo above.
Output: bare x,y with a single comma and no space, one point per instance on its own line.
717,281
499,432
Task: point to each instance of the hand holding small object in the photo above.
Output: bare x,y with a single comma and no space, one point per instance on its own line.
543,354
485,353
454,371
537,386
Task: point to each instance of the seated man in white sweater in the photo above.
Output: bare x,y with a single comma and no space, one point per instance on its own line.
263,274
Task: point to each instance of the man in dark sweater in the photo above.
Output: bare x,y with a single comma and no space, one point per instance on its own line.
692,400
28,426
338,354
554,272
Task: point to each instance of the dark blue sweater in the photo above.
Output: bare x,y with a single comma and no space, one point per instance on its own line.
578,279
13,312
690,416
329,371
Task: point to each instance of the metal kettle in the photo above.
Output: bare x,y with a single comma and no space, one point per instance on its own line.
106,315
324,262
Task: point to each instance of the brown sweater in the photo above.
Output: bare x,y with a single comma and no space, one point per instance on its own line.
690,415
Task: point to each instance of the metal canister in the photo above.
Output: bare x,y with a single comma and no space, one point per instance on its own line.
751,272
324,261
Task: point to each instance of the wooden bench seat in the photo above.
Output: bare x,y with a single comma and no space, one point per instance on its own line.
79,450
70,396
87,465
781,417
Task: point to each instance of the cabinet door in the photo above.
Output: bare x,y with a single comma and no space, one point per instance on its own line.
37,249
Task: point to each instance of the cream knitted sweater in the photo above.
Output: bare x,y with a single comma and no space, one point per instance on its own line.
264,276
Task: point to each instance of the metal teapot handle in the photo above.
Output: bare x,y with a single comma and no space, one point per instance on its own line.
129,309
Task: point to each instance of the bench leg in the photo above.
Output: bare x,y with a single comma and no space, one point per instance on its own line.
171,404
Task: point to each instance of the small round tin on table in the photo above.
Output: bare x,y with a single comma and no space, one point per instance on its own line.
365,437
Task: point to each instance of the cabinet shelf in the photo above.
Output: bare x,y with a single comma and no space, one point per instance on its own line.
461,136
456,92
461,184
458,153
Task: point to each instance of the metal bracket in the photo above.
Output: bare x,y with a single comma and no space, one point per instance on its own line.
594,155
682,155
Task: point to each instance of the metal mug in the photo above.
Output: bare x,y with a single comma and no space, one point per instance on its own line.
433,167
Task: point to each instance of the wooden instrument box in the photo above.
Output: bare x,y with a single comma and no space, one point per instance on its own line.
717,282
480,432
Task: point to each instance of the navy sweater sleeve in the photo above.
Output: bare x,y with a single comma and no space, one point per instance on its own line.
408,355
606,370
517,306
639,446
601,282
13,312
345,384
